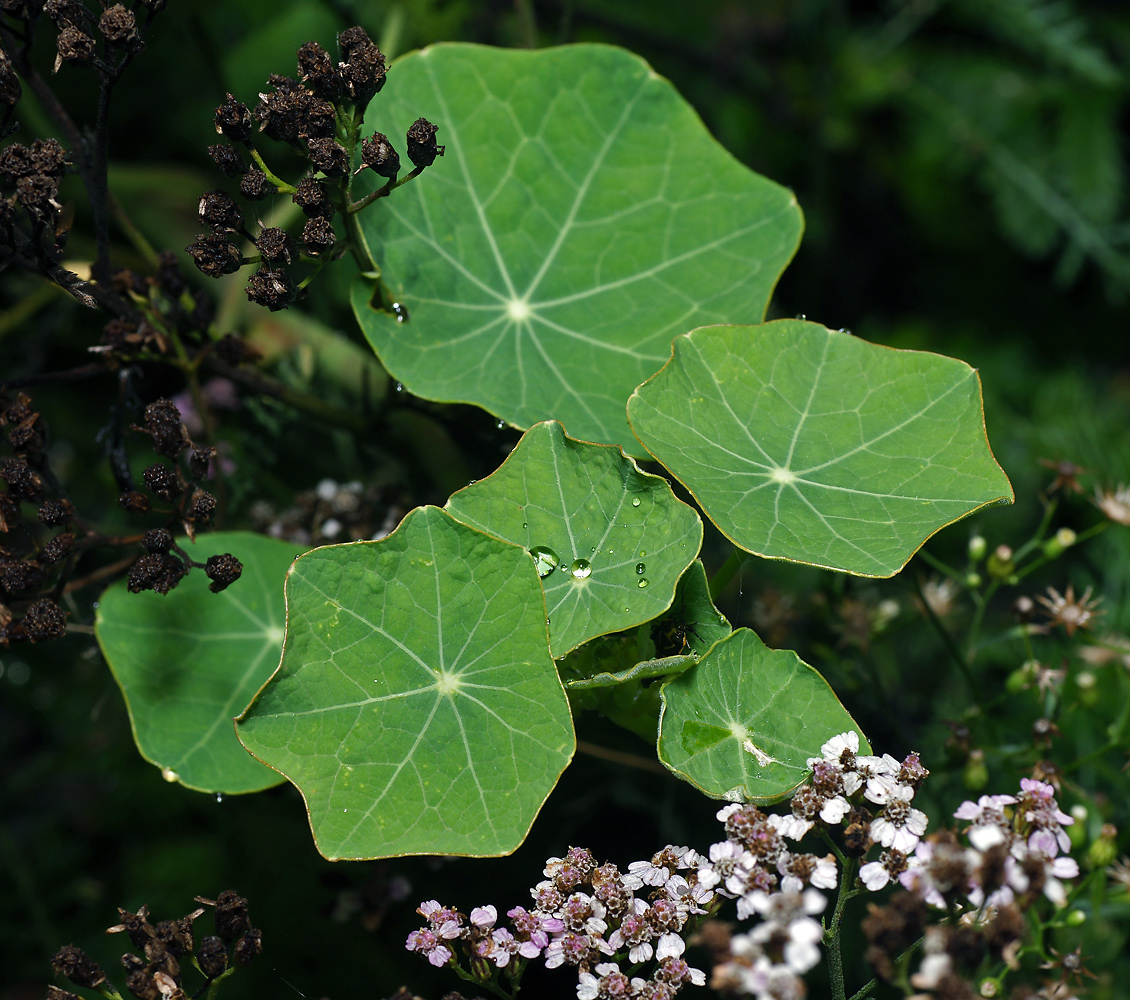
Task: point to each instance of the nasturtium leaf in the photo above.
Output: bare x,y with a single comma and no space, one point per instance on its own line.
581,218
692,624
416,708
809,444
741,724
189,662
609,540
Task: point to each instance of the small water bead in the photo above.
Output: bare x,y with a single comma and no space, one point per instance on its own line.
219,797
642,582
400,311
581,569
545,560
643,552
501,425
524,526
635,501
640,568
399,387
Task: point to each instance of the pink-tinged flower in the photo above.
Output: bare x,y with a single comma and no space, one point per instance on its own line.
674,971
939,868
729,863
437,953
988,824
881,775
899,825
691,897
789,915
443,920
635,933
876,874
609,981
1045,869
484,917
532,930
800,870
1038,808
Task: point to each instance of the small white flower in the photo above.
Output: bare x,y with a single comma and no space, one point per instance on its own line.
834,748
899,826
874,875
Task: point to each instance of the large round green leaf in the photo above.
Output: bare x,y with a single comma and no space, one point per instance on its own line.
582,217
742,722
609,541
416,708
189,662
809,444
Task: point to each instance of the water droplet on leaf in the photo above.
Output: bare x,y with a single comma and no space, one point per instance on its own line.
581,569
169,774
642,583
545,559
640,567
400,311
636,502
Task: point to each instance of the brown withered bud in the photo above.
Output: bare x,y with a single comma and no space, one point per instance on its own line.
77,966
64,12
54,993
214,256
422,148
233,119
319,120
18,575
228,159
162,421
143,985
377,154
219,210
15,162
59,547
362,65
271,288
75,48
274,244
45,620
248,946
254,185
131,963
9,512
23,481
27,435
56,512
230,914
223,570
328,156
118,26
316,68
169,278
318,237
857,832
37,193
46,156
199,459
135,502
176,938
162,481
157,571
203,507
311,196
136,925
157,540
212,954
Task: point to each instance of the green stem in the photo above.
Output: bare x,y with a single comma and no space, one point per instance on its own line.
942,567
947,640
725,572
214,985
277,181
1083,536
982,604
832,934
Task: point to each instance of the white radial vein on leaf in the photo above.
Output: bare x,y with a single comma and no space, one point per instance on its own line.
808,404
483,802
457,148
565,384
583,190
602,345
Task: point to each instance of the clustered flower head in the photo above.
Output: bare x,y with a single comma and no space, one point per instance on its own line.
607,924
317,114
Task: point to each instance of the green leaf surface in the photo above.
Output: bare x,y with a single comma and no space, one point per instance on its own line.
609,541
189,663
416,708
741,724
809,444
581,218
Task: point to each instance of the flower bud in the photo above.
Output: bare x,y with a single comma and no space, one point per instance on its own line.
975,775
422,148
1063,539
1000,565
1075,918
973,580
977,548
1102,852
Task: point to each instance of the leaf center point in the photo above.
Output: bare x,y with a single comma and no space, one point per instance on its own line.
518,310
783,476
447,682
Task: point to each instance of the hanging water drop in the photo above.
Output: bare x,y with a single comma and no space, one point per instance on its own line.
399,387
801,316
400,311
635,501
642,582
545,560
581,569
640,568
501,425
219,797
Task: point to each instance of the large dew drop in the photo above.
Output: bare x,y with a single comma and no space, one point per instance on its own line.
545,559
580,569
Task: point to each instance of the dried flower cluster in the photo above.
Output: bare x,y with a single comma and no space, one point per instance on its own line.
161,951
319,115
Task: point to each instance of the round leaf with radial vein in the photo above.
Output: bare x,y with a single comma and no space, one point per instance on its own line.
416,708
809,444
581,218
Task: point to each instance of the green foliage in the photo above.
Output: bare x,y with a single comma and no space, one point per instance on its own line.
583,217
741,724
416,706
188,662
808,444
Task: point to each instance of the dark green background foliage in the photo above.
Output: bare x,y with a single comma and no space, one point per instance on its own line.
962,170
